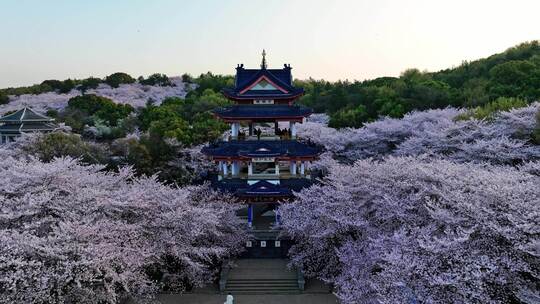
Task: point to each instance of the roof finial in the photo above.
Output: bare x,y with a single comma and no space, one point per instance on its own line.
263,63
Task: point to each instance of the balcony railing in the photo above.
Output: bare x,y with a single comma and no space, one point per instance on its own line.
262,137
282,175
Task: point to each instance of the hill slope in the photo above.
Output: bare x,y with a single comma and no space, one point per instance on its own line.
513,73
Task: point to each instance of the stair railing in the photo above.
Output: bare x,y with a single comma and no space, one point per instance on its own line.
224,274
300,279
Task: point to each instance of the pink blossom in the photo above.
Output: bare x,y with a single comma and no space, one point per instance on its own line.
410,228
72,233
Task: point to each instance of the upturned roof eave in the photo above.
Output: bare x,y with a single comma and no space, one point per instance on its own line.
236,96
268,74
19,116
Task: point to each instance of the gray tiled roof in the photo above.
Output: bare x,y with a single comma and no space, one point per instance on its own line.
262,111
262,148
25,114
16,128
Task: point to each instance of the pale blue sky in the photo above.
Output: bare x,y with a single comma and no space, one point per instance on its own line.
340,39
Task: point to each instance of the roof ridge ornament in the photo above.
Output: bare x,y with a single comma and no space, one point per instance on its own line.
263,63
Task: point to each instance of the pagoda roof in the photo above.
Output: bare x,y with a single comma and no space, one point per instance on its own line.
25,115
263,84
263,94
262,188
16,128
244,77
262,148
260,112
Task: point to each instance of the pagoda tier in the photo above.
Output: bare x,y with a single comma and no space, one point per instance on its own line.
24,121
263,84
255,149
262,113
261,161
262,190
25,115
16,129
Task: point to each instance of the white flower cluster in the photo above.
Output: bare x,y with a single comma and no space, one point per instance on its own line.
424,209
78,234
505,139
135,94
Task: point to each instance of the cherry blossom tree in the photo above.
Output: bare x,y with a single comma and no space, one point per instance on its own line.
134,94
506,139
416,229
77,234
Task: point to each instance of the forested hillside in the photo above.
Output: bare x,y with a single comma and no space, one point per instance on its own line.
513,73
424,209
438,206
149,123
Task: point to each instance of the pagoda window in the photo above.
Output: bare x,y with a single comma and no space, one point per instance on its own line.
235,168
263,168
263,101
292,128
264,85
250,215
284,166
235,128
292,169
225,169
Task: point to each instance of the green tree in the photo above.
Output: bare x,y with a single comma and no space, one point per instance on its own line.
187,120
57,85
412,76
354,117
60,144
134,153
388,102
513,78
67,85
488,110
116,79
211,81
76,119
536,133
206,128
101,107
50,85
4,98
89,83
152,113
172,127
187,78
156,79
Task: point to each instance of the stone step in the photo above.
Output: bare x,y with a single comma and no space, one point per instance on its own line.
283,292
261,276
262,280
266,276
266,286
263,291
270,284
263,286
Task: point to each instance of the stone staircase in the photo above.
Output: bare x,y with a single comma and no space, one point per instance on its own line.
261,276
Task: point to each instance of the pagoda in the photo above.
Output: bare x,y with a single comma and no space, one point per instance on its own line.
24,121
261,160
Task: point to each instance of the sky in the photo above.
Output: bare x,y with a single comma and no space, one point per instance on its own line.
323,39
